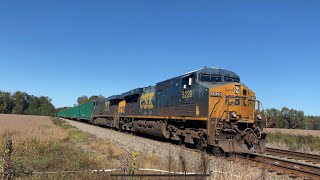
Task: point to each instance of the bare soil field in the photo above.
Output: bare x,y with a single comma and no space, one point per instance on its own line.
300,132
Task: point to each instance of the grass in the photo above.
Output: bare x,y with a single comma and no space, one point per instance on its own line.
302,143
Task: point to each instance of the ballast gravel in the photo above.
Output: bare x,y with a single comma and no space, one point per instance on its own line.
134,143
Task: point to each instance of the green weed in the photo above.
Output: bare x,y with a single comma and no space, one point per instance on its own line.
295,142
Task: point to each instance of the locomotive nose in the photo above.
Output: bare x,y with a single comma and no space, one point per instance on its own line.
232,102
238,106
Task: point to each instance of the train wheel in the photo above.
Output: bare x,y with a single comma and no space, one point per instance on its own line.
201,143
177,142
217,151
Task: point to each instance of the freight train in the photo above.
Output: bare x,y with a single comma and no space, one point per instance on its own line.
207,108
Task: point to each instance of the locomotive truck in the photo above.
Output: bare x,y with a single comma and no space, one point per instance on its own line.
207,108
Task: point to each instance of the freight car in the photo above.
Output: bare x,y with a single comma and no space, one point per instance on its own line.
208,108
81,112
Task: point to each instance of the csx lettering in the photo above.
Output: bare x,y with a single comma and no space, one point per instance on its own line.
236,101
146,100
187,94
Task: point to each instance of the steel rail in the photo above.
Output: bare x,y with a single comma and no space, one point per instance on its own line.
293,155
291,168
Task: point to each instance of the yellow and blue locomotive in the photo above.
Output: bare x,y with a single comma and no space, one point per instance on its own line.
208,108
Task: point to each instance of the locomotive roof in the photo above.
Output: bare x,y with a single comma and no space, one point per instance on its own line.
133,92
115,97
214,70
206,70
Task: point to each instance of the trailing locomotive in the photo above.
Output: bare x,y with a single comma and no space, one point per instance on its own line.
208,108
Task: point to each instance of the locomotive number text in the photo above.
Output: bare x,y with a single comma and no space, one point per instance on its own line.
216,94
187,94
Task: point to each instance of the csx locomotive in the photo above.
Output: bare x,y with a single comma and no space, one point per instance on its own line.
207,108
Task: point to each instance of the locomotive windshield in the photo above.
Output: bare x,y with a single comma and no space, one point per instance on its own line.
215,78
231,79
210,78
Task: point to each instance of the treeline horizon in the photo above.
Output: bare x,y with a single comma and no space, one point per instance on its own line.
290,119
26,104
23,103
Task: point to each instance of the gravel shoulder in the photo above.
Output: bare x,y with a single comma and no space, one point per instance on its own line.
136,143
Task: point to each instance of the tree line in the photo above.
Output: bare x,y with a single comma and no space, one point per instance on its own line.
84,99
291,119
23,103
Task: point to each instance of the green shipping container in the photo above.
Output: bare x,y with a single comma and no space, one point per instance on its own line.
83,111
86,110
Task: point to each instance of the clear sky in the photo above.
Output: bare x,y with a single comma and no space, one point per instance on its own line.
67,48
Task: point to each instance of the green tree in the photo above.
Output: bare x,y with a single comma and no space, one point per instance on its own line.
23,103
46,108
96,98
82,100
7,103
1,103
297,120
34,106
272,116
20,102
285,118
312,122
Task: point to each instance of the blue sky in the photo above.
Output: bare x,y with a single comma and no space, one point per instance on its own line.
65,49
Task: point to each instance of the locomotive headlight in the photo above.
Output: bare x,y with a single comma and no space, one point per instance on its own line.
233,114
259,117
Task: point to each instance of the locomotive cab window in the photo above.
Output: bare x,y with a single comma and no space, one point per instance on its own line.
228,79
187,81
231,79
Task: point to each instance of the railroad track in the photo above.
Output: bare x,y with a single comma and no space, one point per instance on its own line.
288,162
283,166
311,158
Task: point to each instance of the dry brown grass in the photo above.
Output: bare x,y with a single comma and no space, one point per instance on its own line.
41,145
151,161
23,127
300,132
106,147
